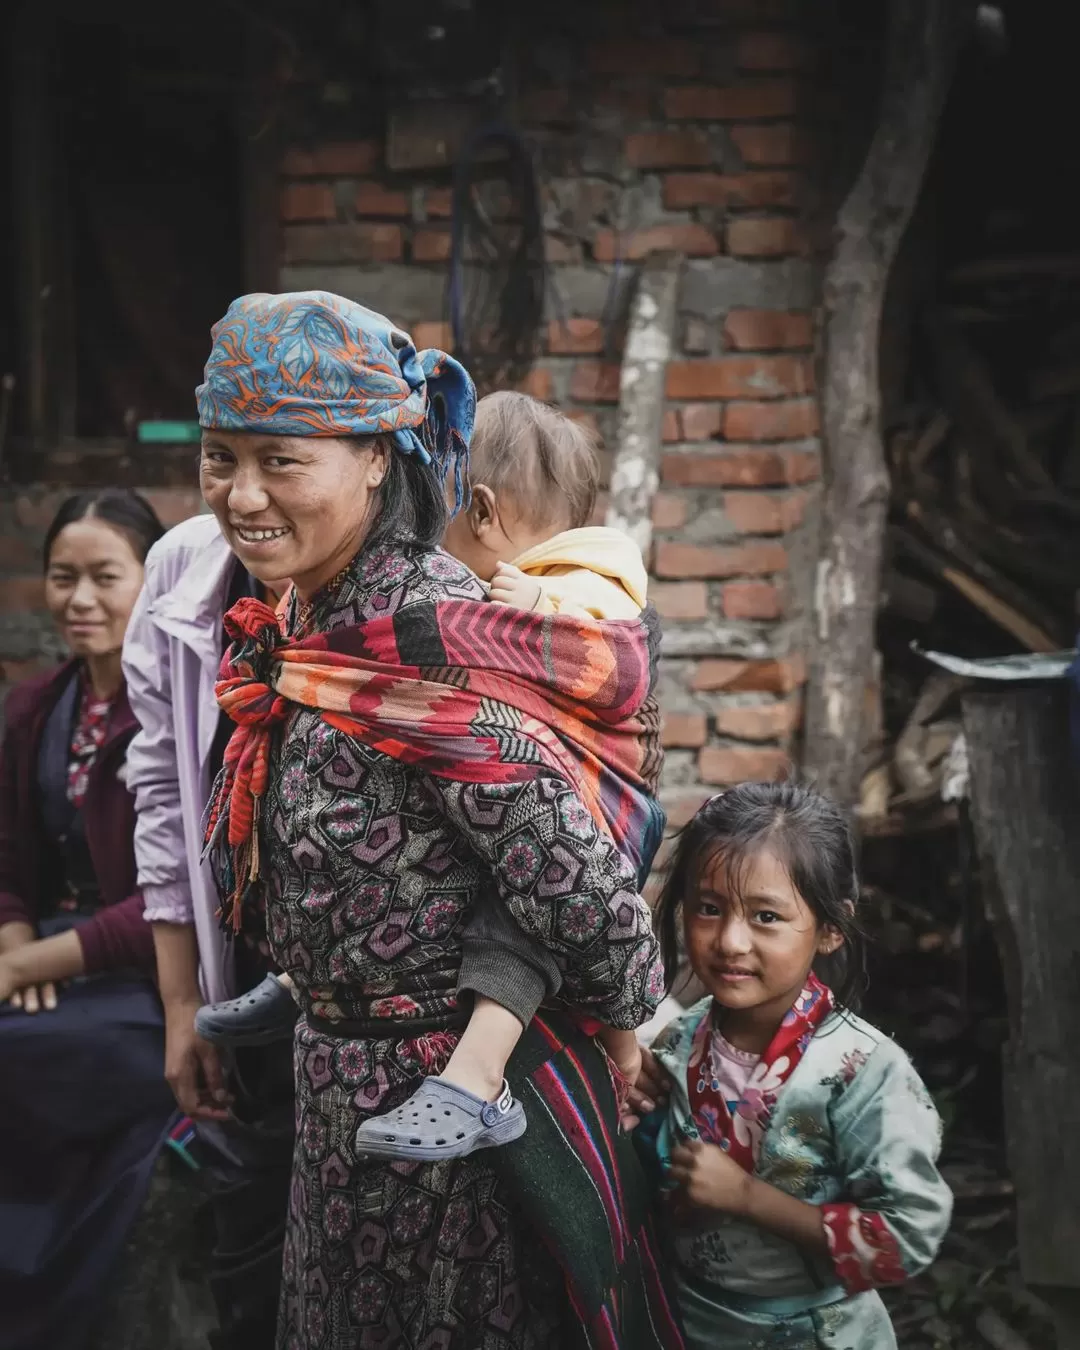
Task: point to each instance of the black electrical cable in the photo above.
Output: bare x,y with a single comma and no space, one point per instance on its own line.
497,277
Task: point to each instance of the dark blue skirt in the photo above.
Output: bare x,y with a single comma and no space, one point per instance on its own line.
84,1108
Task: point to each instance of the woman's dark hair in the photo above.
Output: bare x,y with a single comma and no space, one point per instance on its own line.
809,834
412,507
125,511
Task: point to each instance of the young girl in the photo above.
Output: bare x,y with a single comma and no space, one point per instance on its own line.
797,1144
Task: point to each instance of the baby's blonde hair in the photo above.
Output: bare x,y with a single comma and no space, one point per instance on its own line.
537,457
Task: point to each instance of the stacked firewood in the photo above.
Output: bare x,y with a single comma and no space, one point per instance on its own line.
981,551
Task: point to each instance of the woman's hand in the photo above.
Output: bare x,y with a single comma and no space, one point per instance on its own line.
30,997
192,1066
710,1179
651,1089
29,994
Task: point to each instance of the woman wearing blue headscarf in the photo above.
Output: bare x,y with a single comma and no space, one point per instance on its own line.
367,795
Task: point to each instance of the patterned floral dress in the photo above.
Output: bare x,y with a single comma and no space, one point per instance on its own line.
853,1130
370,869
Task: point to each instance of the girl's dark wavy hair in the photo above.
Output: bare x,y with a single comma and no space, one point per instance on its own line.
809,834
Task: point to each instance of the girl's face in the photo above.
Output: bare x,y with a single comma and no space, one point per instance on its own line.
291,506
753,946
91,584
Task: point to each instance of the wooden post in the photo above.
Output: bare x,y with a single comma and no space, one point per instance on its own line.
635,471
870,225
1025,805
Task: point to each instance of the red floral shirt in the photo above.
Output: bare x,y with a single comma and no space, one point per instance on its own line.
87,739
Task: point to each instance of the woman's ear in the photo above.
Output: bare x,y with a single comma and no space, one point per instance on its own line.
379,463
483,511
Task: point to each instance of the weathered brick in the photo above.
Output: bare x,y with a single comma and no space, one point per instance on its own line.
635,104
688,730
574,337
682,804
174,504
772,50
331,159
772,146
439,202
685,190
738,466
645,56
667,150
759,721
680,600
537,383
308,201
558,249
671,429
22,593
372,199
434,333
669,512
790,420
725,765
701,421
691,238
23,555
744,102
723,674
545,105
697,336
34,511
595,382
358,242
741,377
763,237
717,560
759,330
431,246
764,512
753,600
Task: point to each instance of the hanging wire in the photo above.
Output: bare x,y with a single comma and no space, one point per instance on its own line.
497,276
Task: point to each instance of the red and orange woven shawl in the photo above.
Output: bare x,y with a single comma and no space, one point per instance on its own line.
465,690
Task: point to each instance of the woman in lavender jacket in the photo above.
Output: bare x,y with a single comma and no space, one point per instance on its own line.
244,1110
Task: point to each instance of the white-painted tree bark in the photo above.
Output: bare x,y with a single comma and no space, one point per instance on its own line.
650,340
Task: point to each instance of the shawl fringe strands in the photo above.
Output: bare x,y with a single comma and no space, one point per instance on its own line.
309,363
439,685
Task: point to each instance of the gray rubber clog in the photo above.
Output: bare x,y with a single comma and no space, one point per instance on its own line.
441,1120
264,1014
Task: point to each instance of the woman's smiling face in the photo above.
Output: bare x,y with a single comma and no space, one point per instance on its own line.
292,506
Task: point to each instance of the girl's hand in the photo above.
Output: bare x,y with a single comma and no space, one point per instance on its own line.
710,1179
651,1089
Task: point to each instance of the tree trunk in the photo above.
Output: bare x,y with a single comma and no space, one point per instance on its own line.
650,337
870,225
1025,802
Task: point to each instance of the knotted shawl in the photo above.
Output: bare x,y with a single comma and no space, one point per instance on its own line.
465,690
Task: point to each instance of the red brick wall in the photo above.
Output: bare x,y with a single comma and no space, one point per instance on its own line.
691,138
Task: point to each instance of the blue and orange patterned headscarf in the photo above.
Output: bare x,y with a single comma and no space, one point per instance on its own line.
314,364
